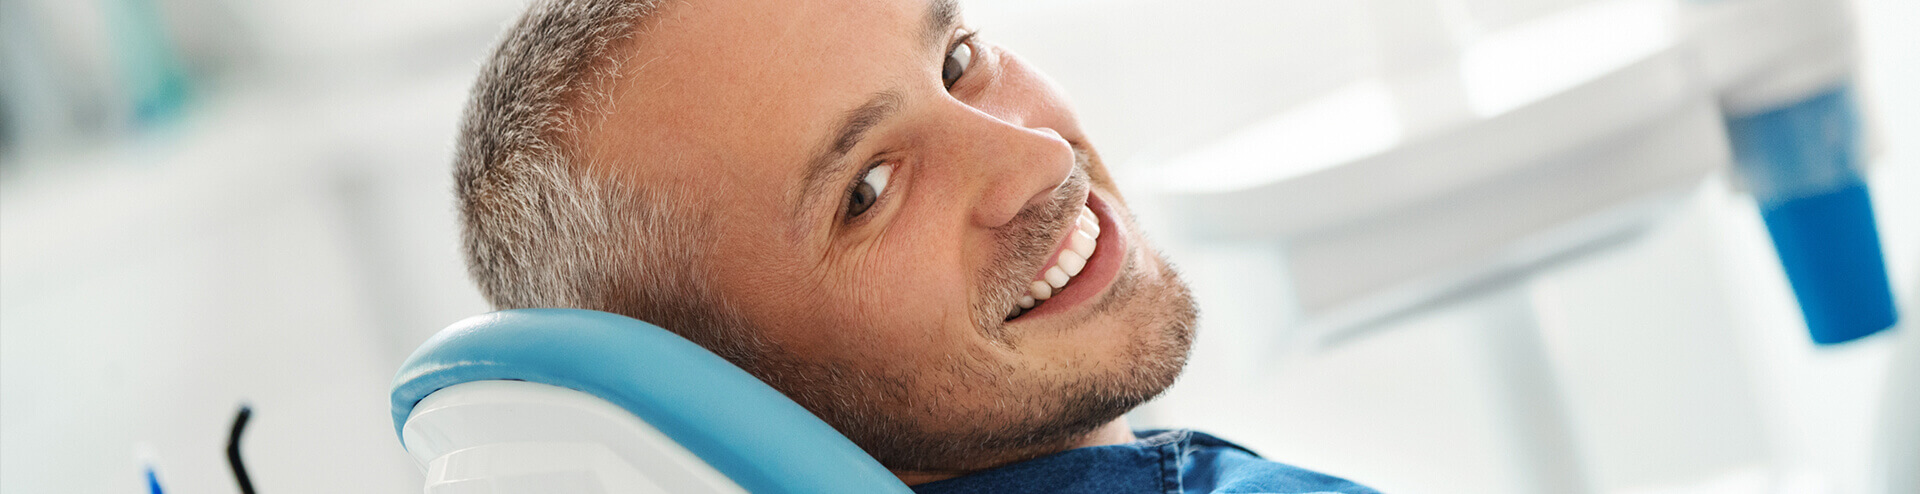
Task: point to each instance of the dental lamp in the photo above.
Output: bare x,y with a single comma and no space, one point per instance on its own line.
1463,159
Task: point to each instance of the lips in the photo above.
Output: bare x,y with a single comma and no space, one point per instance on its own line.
1079,268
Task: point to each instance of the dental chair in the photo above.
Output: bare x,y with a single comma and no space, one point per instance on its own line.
578,401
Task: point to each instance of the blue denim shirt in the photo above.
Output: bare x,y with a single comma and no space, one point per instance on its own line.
1161,462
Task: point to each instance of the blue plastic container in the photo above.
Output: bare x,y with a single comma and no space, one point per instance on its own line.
1802,162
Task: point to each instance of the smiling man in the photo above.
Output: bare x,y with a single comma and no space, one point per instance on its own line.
892,221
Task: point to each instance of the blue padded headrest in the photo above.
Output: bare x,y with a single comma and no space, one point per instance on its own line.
751,433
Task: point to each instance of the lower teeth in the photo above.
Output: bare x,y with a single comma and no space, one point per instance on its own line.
1017,312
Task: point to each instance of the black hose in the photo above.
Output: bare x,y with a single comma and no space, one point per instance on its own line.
233,451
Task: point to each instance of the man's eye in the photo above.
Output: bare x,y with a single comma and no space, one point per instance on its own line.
867,190
958,59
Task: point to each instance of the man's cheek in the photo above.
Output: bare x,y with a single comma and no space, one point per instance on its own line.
912,316
921,259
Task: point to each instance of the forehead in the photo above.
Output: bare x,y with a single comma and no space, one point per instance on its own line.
742,89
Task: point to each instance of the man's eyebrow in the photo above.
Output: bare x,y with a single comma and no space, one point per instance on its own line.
942,17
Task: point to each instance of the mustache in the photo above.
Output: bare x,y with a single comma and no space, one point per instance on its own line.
1023,245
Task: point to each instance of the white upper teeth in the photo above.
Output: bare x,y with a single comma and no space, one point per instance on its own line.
1040,290
1057,277
1071,262
1072,259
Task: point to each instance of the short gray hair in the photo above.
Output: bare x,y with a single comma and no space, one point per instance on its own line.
543,227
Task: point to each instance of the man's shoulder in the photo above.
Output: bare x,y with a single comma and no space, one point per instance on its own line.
1217,466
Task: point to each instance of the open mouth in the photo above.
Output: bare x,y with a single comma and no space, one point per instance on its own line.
1079,267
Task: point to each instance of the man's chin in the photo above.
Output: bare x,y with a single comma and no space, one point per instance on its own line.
1151,313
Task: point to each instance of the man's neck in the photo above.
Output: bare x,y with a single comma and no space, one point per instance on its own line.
1115,432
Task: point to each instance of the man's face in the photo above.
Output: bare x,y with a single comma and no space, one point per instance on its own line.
884,190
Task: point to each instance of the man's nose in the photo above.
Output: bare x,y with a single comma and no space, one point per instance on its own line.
1015,167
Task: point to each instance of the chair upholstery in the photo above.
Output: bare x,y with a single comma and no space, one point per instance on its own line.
738,425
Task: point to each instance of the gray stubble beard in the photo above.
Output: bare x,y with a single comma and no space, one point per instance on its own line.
910,422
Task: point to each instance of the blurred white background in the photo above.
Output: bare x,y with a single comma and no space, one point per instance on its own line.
215,202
